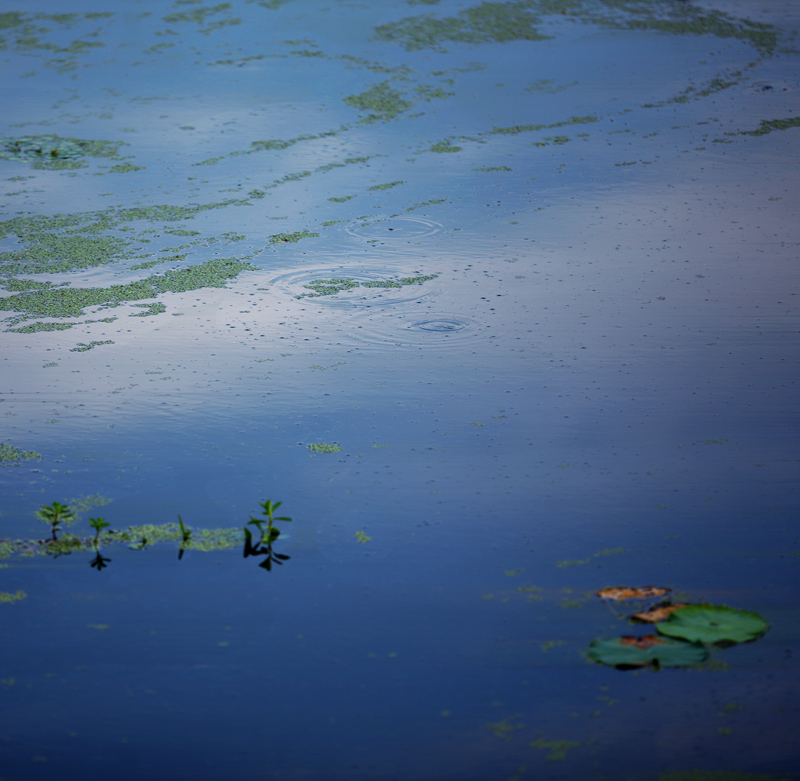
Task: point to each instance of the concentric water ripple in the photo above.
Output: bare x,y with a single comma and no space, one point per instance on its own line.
396,228
357,286
417,330
768,87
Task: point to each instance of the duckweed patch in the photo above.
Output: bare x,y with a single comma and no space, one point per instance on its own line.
444,147
514,21
387,186
324,447
54,152
770,125
82,347
126,168
290,238
150,309
13,456
381,102
557,749
499,22
7,597
330,287
60,302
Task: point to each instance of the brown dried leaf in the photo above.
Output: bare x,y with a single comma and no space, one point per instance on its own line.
642,643
659,613
644,592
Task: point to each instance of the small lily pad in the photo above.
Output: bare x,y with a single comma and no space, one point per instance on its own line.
627,653
713,624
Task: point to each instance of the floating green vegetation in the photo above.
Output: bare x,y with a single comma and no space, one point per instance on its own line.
514,21
59,302
323,447
381,101
7,597
504,728
769,125
516,129
387,186
343,199
38,327
196,15
486,22
494,168
557,748
443,147
150,309
125,168
330,287
55,152
13,456
82,348
289,238
362,537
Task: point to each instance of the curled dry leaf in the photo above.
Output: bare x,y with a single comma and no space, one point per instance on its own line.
642,643
621,592
660,613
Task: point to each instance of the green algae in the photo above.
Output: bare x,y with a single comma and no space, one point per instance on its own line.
767,126
381,101
324,447
83,347
125,168
56,152
498,22
150,309
142,536
557,748
330,287
8,598
59,302
196,15
49,253
342,199
291,238
13,456
387,185
444,147
515,21
35,328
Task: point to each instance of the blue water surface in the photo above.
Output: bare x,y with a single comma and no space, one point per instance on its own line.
564,358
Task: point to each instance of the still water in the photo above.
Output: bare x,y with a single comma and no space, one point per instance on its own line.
498,299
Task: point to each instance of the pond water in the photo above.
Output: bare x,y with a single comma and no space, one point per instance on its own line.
498,299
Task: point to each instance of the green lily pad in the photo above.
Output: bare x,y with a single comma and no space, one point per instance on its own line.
626,653
713,624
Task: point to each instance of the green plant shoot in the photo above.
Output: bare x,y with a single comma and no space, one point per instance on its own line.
98,524
55,514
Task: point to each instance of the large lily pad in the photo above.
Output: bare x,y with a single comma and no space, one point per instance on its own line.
626,653
713,624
